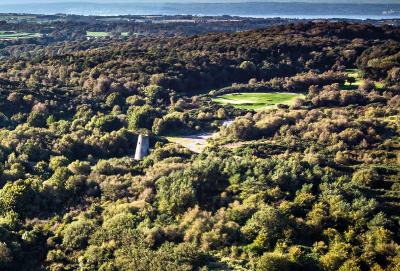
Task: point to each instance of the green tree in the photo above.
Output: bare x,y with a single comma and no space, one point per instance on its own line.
274,261
153,92
115,98
176,193
248,66
6,257
37,119
221,113
80,168
76,234
366,177
141,117
57,162
108,123
12,197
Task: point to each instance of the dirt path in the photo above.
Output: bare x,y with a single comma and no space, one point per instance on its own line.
197,142
194,143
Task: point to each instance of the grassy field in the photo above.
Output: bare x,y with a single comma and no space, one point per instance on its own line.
15,35
355,74
257,101
16,17
102,34
96,34
113,19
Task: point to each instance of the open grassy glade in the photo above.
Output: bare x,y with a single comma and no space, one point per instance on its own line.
257,101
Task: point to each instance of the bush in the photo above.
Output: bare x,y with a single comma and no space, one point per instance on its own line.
77,233
56,256
58,161
37,119
5,256
80,167
115,99
274,261
268,221
366,177
108,123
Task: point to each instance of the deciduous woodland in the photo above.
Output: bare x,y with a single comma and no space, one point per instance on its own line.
309,185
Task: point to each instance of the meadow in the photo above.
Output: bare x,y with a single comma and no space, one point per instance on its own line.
15,35
103,34
355,73
257,101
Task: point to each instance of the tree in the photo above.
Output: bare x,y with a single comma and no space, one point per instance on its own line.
176,193
135,100
57,162
274,261
115,99
221,113
5,256
248,66
80,168
141,117
366,177
14,97
13,197
158,126
351,80
76,234
108,123
37,119
153,92
269,222
4,121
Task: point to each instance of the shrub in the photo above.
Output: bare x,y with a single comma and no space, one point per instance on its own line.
77,233
274,261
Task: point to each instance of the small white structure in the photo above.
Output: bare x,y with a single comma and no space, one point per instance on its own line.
142,147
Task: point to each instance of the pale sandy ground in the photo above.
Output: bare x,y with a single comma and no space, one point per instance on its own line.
195,143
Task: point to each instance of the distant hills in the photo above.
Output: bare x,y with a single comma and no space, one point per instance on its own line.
210,1
250,9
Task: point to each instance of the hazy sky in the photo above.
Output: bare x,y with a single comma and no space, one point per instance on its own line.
197,1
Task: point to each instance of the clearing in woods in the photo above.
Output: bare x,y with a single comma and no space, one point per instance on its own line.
355,73
257,101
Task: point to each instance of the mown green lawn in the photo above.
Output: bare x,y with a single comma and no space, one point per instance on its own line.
102,34
355,74
15,35
96,34
257,101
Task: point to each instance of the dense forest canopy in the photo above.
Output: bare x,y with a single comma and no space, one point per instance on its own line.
29,35
313,185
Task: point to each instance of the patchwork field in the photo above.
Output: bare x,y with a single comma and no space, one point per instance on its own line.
257,101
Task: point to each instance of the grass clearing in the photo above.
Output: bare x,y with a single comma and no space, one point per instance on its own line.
112,19
355,74
173,138
257,101
104,34
195,143
15,35
96,34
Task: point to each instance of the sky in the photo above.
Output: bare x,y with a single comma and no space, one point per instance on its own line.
5,2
